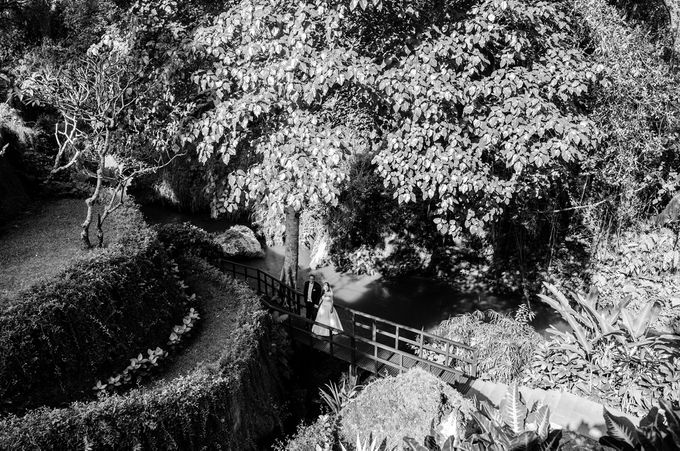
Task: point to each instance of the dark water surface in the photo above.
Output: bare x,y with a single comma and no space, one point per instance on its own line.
418,302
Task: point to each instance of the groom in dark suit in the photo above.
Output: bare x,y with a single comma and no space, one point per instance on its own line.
312,293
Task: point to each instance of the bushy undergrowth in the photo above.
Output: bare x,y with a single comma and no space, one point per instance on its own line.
227,405
59,336
505,346
318,434
635,168
608,355
405,405
642,265
187,240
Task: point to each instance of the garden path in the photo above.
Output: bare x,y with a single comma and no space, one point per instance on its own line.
218,308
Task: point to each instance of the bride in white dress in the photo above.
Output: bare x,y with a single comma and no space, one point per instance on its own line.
327,314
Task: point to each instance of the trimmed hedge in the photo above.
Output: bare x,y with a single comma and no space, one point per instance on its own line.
228,405
60,336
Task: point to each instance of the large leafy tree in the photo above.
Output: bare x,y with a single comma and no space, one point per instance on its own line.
279,71
487,110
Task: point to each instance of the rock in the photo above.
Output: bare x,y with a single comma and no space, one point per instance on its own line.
239,242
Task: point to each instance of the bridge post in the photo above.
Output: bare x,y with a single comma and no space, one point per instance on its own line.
353,346
375,345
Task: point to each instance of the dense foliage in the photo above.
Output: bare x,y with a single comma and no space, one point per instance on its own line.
227,405
609,354
642,265
635,170
488,111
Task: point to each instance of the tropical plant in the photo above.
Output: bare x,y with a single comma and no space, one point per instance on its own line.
513,426
608,355
370,444
590,324
337,396
656,432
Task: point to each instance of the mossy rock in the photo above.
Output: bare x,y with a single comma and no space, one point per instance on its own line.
407,405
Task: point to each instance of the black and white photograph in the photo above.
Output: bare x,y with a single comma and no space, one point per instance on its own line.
340,225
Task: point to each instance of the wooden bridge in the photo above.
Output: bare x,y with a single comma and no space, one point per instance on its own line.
366,341
385,347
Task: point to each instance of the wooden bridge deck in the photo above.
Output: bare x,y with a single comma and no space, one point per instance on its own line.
365,341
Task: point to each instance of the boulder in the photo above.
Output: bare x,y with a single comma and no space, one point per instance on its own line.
239,242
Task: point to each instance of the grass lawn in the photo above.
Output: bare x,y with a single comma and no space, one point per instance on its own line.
42,241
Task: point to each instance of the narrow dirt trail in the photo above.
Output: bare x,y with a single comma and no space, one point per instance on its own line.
219,308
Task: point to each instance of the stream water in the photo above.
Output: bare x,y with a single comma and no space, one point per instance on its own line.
418,302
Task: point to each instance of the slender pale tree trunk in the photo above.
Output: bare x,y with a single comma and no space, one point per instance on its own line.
289,271
90,201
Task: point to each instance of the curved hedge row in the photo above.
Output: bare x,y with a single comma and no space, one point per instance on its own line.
228,405
60,336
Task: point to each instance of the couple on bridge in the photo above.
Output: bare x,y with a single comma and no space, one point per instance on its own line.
319,307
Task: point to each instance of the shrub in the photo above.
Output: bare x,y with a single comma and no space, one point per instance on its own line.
505,346
317,435
230,405
59,336
188,240
405,405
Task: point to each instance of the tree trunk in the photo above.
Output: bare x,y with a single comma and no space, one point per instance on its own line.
100,231
289,271
85,234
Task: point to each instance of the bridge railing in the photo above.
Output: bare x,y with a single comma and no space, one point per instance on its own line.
366,334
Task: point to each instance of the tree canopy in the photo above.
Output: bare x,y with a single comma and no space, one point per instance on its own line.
487,110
